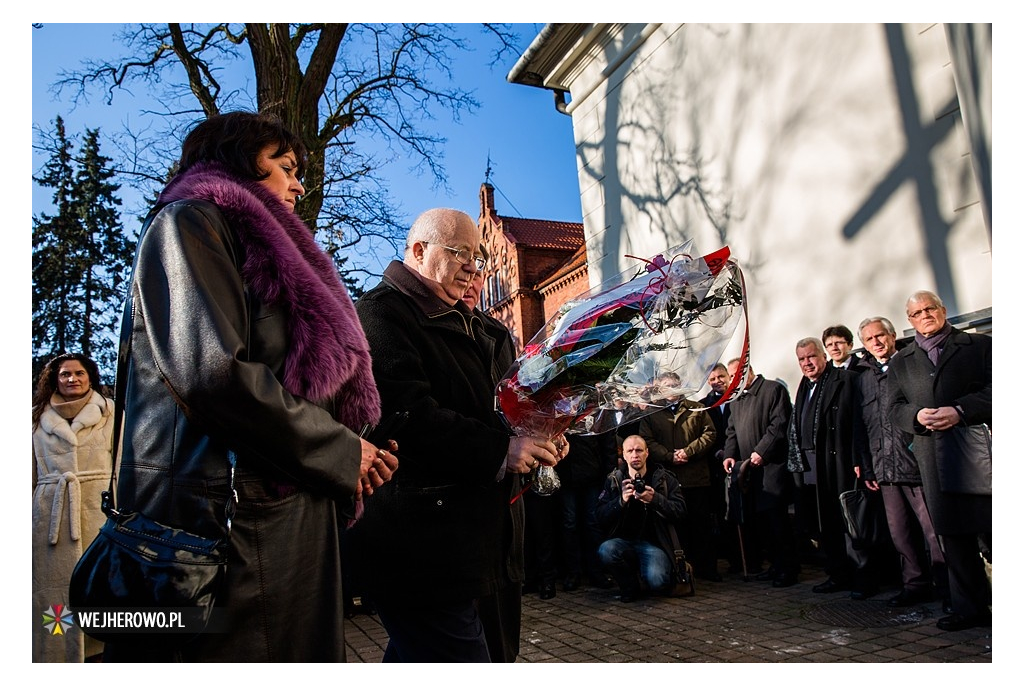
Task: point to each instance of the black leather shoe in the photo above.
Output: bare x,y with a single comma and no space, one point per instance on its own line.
861,594
571,583
603,582
961,622
767,575
907,598
628,595
830,586
547,591
784,580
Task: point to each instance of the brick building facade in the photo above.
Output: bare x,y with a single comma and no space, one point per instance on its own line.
534,266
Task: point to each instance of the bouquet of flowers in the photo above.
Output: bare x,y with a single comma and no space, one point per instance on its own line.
598,361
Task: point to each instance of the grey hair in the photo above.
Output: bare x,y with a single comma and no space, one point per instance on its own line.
886,324
924,295
808,342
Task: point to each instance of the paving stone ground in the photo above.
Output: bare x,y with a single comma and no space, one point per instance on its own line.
734,621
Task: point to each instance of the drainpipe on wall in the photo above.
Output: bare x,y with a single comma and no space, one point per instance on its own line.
560,104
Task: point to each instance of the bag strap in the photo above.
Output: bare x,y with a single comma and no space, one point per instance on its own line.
673,534
107,500
675,538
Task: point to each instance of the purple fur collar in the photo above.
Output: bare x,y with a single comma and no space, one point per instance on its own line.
329,356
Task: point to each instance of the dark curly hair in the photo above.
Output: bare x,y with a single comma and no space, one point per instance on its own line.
47,384
235,139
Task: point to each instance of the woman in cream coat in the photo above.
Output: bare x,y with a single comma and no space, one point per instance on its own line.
71,439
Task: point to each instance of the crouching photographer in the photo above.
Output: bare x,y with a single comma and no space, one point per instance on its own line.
637,507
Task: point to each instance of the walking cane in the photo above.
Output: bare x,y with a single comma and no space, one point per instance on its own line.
741,482
743,554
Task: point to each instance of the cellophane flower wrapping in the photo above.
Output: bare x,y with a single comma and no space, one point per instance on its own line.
597,361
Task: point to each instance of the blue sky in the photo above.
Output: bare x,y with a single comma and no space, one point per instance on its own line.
530,145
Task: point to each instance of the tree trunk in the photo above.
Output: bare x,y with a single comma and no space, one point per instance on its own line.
282,89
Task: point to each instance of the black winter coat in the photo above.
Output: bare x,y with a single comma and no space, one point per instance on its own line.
437,531
833,432
883,450
759,422
963,377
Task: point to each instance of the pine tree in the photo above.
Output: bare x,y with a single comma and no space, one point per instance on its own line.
54,261
108,252
80,255
355,290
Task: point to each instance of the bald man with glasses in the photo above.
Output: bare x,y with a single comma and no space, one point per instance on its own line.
440,544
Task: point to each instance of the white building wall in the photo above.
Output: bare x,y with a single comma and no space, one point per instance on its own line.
824,156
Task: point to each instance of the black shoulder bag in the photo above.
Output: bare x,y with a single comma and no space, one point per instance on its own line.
140,577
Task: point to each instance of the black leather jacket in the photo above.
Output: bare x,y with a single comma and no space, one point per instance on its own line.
202,379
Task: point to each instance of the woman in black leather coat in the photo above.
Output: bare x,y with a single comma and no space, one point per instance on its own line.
242,340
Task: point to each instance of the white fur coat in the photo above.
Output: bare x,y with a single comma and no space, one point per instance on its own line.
71,467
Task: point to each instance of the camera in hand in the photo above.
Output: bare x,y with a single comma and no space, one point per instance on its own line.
638,485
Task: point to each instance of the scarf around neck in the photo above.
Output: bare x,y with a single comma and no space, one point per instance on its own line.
932,345
328,357
69,409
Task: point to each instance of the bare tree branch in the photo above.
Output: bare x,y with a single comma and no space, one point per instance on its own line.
338,86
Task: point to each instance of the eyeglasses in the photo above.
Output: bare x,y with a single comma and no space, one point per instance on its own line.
463,256
921,312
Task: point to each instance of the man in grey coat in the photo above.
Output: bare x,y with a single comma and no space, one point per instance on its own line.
942,392
886,462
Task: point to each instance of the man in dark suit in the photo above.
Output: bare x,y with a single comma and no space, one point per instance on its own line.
719,381
942,386
593,457
824,412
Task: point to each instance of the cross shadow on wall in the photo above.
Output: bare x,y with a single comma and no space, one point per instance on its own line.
914,166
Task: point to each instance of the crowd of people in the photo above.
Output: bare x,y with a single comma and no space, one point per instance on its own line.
247,372
912,426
